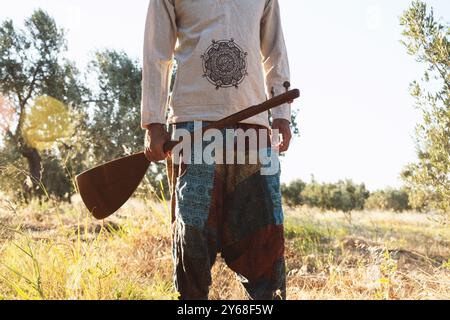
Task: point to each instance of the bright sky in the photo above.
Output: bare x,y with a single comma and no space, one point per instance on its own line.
357,119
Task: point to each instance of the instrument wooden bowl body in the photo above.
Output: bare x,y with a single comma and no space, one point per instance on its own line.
104,189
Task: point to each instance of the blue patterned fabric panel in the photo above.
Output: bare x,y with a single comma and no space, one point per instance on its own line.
274,188
194,190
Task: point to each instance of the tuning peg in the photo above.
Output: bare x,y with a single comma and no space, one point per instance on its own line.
287,85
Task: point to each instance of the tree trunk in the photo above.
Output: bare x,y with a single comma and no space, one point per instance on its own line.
35,169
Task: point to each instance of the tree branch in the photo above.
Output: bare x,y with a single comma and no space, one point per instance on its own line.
95,100
23,101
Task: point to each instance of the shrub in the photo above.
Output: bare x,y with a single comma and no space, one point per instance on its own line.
389,199
343,195
292,192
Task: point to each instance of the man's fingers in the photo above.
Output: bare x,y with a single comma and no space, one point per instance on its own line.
286,141
158,154
284,147
283,127
149,155
152,157
155,138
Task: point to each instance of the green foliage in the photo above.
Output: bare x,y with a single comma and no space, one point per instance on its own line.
32,65
12,166
428,180
343,195
56,124
55,178
115,124
389,199
115,127
347,196
14,175
292,192
294,123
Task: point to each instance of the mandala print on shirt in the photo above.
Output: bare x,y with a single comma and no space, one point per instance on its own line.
225,64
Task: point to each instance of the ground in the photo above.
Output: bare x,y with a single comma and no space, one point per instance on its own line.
53,250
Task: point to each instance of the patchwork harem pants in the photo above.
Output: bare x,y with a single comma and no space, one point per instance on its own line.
232,209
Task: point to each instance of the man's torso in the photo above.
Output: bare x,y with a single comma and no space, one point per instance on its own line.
219,60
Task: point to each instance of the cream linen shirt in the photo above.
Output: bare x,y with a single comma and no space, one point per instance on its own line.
230,55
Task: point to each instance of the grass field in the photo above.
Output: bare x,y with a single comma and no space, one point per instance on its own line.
57,251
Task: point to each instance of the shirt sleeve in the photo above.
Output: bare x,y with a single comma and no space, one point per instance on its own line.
159,44
274,55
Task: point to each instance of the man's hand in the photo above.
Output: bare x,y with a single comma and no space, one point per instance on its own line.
283,126
155,138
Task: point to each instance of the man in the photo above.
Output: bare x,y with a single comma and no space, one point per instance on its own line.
230,55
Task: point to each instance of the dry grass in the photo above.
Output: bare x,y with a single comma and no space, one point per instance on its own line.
56,251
